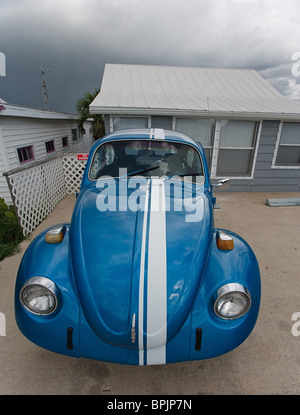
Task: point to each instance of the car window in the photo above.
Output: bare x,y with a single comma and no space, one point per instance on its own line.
145,158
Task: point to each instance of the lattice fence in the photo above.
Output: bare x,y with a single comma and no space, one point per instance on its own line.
37,190
73,170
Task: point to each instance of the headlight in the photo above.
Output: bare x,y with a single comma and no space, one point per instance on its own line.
39,295
233,301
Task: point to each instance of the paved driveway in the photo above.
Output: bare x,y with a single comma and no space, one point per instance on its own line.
268,362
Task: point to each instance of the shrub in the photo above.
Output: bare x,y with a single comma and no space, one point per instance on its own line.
10,231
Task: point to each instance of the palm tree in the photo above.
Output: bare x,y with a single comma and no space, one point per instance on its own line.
82,107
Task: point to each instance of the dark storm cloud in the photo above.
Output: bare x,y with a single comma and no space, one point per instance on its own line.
34,34
74,39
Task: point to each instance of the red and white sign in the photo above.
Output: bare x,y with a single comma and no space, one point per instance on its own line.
83,156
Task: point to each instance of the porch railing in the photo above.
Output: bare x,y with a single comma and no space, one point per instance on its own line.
36,189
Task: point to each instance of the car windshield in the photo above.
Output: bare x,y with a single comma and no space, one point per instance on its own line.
145,158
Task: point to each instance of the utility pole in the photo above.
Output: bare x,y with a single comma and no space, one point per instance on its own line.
44,90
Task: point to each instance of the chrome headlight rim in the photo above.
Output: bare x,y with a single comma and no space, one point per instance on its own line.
46,284
232,289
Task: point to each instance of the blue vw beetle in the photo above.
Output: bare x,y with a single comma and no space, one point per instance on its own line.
141,275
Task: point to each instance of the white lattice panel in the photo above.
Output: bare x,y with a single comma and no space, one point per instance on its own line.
37,191
73,170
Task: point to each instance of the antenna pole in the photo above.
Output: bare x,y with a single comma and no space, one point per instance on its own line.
44,90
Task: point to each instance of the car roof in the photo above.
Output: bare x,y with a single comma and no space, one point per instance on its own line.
150,133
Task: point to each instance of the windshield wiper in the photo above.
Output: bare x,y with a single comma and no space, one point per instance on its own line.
140,171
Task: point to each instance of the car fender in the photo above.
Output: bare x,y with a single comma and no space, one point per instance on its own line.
59,331
223,267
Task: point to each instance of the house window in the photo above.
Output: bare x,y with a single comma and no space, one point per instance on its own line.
74,134
126,123
25,154
288,152
199,130
65,141
161,122
236,148
50,146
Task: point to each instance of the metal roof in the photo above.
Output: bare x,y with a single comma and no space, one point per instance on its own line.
190,91
12,110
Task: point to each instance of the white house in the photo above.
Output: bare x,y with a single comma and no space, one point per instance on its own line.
30,135
250,132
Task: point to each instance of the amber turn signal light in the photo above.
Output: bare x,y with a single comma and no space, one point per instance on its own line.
224,241
55,235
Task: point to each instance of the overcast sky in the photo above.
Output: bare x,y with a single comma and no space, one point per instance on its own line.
75,38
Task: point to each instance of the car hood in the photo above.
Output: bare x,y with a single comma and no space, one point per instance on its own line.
138,271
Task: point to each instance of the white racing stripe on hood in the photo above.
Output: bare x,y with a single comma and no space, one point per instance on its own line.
156,278
142,281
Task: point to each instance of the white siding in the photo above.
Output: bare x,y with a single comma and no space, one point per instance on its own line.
19,132
4,191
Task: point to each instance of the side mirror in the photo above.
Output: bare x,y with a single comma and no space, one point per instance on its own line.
224,183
